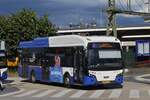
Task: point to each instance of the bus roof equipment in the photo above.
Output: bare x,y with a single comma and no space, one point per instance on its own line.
66,41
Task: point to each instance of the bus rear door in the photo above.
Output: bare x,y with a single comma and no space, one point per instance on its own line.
45,70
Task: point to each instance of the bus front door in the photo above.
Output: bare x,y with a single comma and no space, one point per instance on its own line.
78,69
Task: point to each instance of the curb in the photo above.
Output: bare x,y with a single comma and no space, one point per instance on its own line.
140,78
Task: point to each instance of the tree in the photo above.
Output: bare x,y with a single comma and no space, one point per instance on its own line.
24,25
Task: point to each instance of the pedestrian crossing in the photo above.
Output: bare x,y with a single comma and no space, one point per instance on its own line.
78,94
72,93
134,94
115,93
97,93
62,93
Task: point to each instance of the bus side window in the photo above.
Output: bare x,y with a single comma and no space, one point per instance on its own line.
48,57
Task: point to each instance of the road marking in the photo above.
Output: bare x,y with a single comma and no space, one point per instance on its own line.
134,94
115,93
45,93
149,92
78,94
27,93
12,93
60,94
97,94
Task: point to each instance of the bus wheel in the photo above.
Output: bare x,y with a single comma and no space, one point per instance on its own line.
33,79
67,81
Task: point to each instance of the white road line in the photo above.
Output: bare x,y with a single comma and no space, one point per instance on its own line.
12,93
149,92
115,93
27,93
60,94
134,94
97,93
45,93
78,94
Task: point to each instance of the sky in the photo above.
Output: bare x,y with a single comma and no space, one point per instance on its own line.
64,12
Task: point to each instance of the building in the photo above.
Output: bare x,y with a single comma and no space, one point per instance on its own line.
127,35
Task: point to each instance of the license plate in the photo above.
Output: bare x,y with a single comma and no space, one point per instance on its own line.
106,82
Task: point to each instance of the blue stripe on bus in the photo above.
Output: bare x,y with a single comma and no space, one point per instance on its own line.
119,79
89,80
56,74
37,71
38,42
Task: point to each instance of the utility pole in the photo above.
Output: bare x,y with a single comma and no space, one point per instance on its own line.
147,17
148,6
112,11
111,25
129,5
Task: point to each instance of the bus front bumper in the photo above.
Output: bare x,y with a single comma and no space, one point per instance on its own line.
92,81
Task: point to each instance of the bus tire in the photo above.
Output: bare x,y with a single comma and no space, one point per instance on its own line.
32,77
67,80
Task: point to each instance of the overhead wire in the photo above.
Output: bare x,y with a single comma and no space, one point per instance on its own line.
138,5
143,4
121,5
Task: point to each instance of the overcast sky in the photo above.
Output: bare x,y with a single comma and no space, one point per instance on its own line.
63,12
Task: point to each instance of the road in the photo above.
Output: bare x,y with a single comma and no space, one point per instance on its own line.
132,90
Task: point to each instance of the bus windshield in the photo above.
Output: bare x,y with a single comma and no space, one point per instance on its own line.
105,58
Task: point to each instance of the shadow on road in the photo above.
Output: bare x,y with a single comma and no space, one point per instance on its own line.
8,81
9,89
99,87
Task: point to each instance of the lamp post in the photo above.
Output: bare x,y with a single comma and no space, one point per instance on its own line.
111,25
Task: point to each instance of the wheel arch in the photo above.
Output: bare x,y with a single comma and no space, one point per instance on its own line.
65,74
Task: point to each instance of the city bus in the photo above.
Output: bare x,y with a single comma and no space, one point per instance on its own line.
72,60
3,66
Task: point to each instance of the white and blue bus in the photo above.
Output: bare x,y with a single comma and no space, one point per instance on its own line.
3,65
72,59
